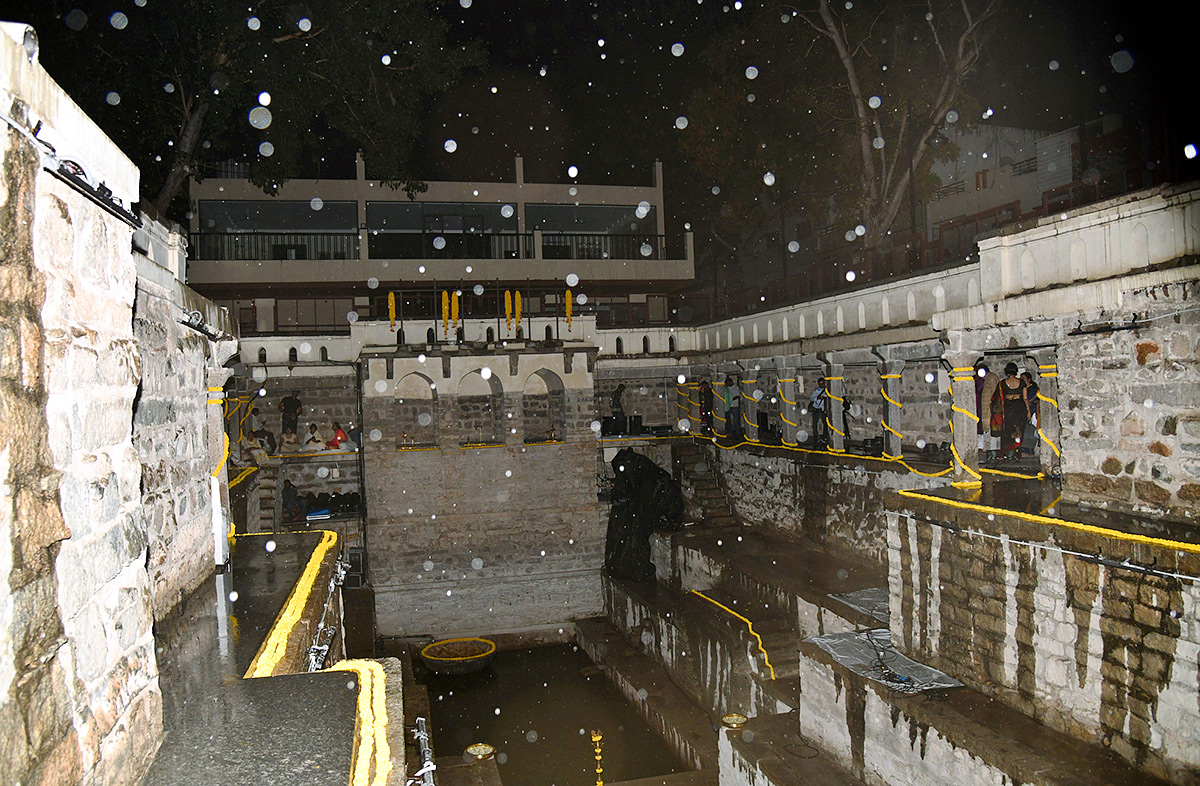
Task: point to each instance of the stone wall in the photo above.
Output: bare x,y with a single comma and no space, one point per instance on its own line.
178,444
330,397
1103,653
96,376
833,501
1131,406
483,540
38,742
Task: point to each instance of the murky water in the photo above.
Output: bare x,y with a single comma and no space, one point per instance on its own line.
549,700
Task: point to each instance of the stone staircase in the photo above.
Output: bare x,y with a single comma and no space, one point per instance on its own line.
706,500
686,661
262,510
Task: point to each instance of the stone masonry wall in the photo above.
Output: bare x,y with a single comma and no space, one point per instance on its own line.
468,541
1102,653
837,502
92,372
173,438
325,399
1130,404
38,742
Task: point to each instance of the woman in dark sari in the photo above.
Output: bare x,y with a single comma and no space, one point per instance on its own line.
1011,392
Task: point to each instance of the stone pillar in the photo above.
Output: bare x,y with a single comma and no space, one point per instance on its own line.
751,394
836,387
1045,371
720,395
963,420
889,377
694,402
790,411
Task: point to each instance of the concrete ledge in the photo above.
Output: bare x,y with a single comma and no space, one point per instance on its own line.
966,739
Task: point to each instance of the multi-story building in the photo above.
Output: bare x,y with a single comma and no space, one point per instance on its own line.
322,254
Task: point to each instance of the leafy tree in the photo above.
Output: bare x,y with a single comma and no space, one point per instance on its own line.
279,84
833,113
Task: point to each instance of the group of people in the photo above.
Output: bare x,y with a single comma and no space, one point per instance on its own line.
290,409
1008,412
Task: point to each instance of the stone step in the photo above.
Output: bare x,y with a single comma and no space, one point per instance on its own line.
785,577
882,736
693,778
706,651
769,751
650,689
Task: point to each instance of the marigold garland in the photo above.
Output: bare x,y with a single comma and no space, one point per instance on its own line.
454,310
570,301
392,308
508,309
445,313
518,309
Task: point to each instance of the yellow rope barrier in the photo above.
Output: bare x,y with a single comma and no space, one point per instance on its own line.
245,473
1036,518
827,423
889,428
749,625
371,749
275,645
224,457
890,399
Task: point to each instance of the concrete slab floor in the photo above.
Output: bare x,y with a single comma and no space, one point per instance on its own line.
222,729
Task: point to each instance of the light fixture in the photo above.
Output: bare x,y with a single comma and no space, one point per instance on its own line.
733,720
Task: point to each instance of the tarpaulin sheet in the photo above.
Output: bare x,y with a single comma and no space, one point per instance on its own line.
870,654
872,601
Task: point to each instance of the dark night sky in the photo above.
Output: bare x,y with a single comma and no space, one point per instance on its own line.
609,109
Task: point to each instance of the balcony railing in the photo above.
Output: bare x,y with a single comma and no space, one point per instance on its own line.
273,245
432,245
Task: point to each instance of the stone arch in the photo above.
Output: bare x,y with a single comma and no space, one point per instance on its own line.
783,325
293,355
753,334
491,335
543,407
911,304
839,320
1078,256
671,344
885,310
400,337
262,354
416,410
620,346
324,354
728,337
972,292
1139,246
1028,270
645,345
939,298
770,331
479,409
430,336
549,332
802,327
741,335
862,315
820,322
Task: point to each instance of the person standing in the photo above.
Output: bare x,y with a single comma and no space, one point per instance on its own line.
1032,405
985,391
818,402
1011,395
289,410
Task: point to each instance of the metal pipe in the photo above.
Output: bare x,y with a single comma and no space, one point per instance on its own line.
425,773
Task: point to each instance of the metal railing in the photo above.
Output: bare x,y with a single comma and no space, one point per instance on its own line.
273,245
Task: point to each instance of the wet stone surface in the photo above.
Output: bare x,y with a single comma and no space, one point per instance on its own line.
221,729
550,699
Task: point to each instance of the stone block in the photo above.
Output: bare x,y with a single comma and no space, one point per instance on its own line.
1151,492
